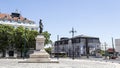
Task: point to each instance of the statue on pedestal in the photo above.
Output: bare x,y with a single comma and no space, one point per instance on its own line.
39,55
40,26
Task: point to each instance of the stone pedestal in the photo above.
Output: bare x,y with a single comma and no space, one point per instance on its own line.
39,55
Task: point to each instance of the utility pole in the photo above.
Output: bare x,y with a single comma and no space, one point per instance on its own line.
24,43
113,47
73,32
69,44
105,50
24,55
87,47
57,47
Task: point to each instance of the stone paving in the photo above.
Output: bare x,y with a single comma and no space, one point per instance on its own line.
64,63
104,60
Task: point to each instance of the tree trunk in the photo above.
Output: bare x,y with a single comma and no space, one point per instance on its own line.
3,53
21,54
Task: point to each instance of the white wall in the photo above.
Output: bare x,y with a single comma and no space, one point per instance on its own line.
117,45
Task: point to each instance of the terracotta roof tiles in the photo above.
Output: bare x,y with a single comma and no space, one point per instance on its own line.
9,17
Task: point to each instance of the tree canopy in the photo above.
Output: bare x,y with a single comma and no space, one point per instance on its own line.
19,38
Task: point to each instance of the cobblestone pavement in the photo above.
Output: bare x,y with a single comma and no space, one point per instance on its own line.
64,63
117,60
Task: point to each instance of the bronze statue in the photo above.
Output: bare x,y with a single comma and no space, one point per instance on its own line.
40,26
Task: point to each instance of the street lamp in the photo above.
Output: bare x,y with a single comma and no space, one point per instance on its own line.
69,44
87,47
105,50
57,46
73,31
24,43
113,47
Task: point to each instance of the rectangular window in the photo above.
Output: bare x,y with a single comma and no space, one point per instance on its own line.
32,28
78,40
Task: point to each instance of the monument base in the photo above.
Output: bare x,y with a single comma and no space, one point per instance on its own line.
36,61
39,57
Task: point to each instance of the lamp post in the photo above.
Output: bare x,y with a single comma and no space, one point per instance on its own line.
113,47
24,43
105,50
87,47
57,47
73,31
69,44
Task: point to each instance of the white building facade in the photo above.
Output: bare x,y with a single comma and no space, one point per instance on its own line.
16,20
117,45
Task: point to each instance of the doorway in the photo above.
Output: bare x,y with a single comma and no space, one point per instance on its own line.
11,53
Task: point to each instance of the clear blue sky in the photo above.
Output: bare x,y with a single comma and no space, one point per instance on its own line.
100,18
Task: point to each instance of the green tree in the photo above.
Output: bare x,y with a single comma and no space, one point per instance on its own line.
31,39
19,39
47,37
6,37
48,50
25,39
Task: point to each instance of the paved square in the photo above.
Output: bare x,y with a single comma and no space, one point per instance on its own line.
64,63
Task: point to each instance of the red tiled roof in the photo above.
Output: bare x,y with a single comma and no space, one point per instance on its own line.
3,15
110,50
9,17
